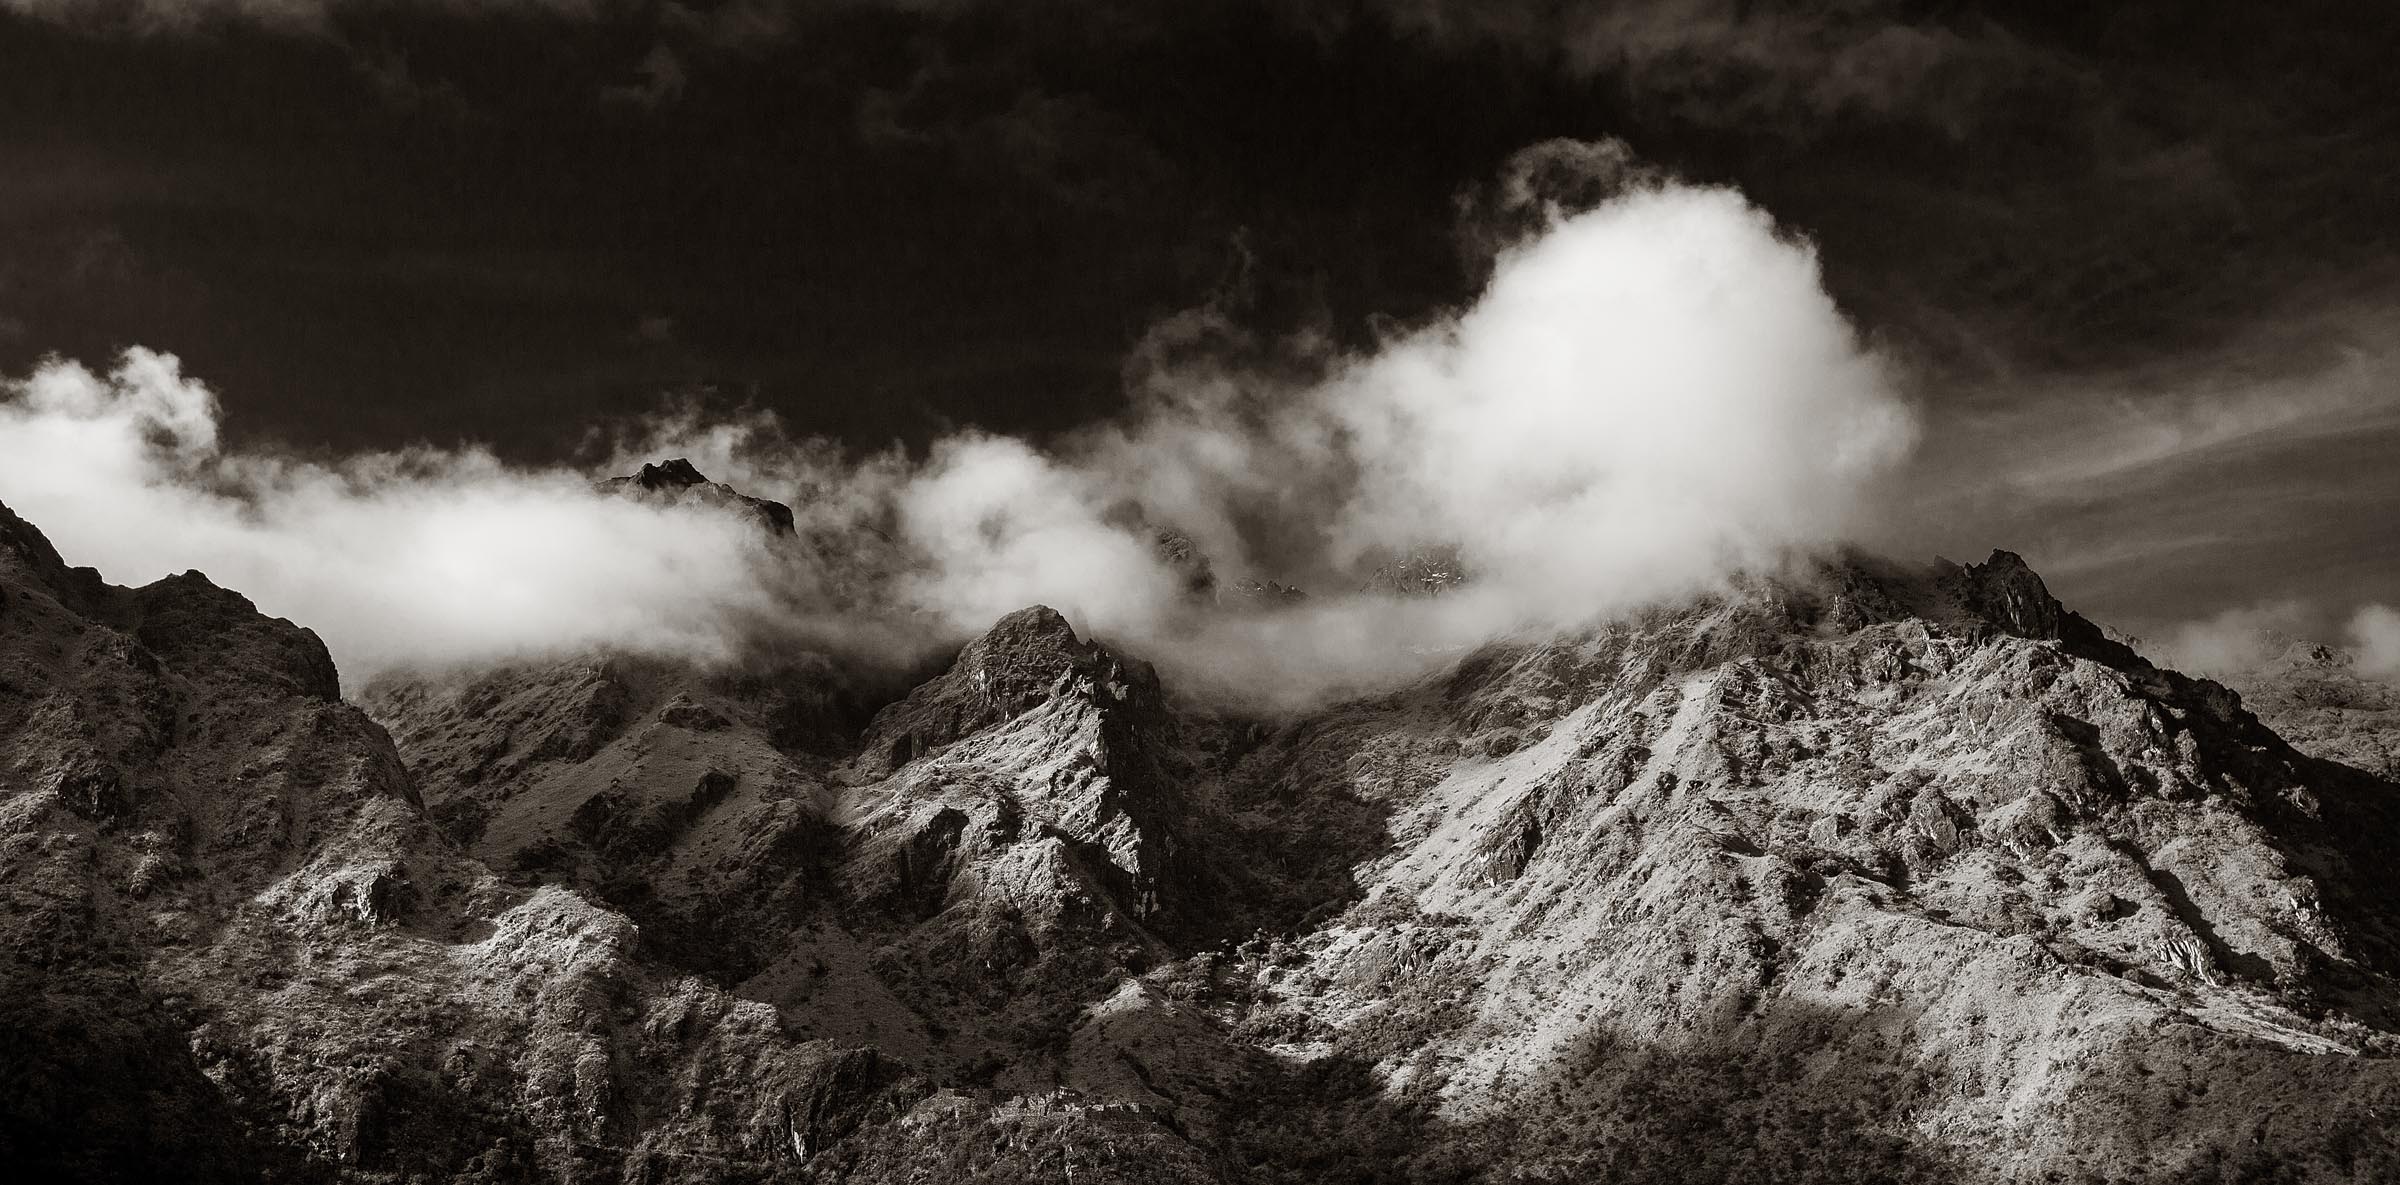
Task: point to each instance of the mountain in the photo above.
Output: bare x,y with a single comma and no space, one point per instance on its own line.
679,481
1859,873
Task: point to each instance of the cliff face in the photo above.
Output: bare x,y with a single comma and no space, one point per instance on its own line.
1860,874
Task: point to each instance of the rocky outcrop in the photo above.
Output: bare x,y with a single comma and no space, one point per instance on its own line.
1024,661
2005,592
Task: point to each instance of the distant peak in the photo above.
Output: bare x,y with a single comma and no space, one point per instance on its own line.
676,473
679,480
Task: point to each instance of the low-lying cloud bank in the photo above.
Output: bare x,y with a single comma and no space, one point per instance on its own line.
428,555
1652,392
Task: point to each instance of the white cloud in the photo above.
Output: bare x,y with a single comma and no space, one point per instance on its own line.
1652,393
422,556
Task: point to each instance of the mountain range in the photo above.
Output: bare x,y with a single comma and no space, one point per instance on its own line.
1862,872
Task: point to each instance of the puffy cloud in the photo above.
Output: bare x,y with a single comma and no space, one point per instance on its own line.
1649,392
998,525
1648,395
1652,392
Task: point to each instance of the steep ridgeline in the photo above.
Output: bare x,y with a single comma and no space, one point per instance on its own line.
233,947
1857,874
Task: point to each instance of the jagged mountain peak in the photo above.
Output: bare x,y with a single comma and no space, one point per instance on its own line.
2006,591
671,474
1027,658
678,480
1034,634
221,636
1024,655
208,633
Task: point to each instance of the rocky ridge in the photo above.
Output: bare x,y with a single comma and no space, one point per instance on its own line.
1861,872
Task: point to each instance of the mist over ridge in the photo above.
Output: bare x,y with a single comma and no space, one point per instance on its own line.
1652,392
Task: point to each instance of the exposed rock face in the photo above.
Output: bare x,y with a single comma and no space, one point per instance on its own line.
2006,593
1075,728
1871,874
695,802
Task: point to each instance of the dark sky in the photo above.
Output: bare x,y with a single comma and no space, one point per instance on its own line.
2088,228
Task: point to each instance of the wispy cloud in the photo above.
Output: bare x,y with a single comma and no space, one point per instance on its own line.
2183,486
